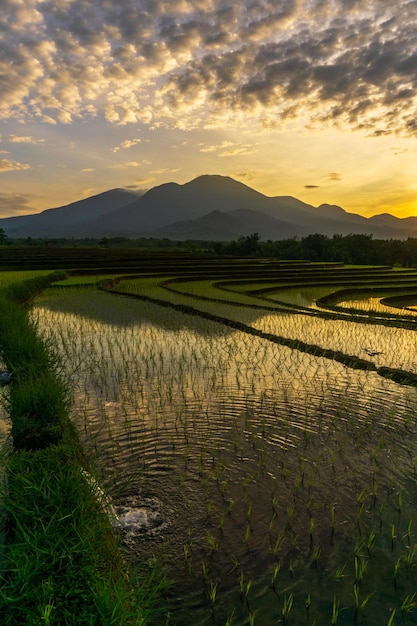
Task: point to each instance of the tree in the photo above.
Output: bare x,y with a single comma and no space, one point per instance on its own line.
104,243
315,247
248,246
3,237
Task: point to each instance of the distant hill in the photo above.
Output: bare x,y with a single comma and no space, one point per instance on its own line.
222,226
68,220
208,207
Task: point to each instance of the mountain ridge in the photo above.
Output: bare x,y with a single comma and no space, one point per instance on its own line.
207,207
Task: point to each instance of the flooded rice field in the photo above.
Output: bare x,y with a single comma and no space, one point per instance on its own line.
388,346
268,485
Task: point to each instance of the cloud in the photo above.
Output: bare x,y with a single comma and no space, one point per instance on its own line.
142,182
331,176
237,150
166,170
246,176
10,166
15,204
204,148
128,143
211,64
138,189
122,166
228,148
88,191
24,139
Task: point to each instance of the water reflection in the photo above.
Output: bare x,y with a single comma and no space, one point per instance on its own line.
258,472
384,345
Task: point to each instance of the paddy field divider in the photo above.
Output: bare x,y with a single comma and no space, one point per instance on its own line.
60,562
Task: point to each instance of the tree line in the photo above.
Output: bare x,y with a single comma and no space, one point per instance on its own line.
353,249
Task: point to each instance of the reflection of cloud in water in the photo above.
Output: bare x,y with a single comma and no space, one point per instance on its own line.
118,310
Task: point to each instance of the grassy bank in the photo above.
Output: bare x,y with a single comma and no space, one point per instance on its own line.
61,563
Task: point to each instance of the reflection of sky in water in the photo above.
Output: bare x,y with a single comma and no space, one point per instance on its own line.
384,346
196,418
374,304
305,297
181,368
394,347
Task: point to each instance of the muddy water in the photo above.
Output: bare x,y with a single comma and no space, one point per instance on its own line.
268,484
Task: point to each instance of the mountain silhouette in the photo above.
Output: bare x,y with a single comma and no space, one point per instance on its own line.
208,207
67,221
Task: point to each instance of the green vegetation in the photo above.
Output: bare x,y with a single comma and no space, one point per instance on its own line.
350,249
61,563
118,252
9,278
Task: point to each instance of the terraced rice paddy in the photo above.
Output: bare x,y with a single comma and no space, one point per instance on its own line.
250,439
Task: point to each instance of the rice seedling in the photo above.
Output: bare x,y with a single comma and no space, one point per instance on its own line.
335,610
409,603
212,542
286,607
231,619
409,532
213,591
361,565
340,572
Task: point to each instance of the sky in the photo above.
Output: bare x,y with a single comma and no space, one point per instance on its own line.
315,99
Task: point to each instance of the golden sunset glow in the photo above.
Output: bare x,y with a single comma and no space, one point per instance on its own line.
309,98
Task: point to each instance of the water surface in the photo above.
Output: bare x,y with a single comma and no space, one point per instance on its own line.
271,484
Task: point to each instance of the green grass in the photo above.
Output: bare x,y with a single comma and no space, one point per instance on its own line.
60,562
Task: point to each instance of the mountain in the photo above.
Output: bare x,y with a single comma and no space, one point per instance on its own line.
208,207
67,221
216,225
170,203
222,226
